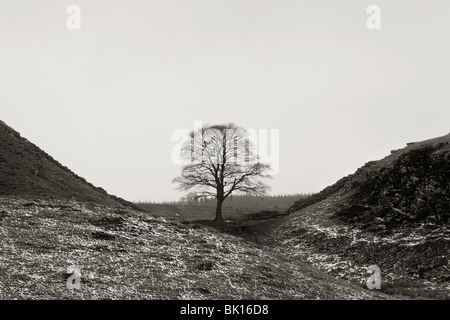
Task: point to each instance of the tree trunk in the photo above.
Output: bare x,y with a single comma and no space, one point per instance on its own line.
219,219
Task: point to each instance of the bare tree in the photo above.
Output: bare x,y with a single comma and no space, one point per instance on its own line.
221,160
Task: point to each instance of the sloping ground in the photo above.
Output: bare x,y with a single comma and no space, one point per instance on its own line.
411,185
125,254
394,213
52,219
26,170
413,262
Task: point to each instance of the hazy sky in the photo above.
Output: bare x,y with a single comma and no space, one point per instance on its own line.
105,99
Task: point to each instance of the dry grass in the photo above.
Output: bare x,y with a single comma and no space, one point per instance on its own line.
123,254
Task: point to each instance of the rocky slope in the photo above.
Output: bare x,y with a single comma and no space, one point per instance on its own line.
410,186
27,171
394,213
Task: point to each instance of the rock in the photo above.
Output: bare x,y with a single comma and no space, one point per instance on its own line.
100,235
446,277
414,179
421,203
3,215
205,265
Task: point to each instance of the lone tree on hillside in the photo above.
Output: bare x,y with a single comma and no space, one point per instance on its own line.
220,160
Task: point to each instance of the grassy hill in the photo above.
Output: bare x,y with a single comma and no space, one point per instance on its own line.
27,171
394,213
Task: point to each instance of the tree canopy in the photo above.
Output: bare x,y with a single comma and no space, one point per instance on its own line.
221,160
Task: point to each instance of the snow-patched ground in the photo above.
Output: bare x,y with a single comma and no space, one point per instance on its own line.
332,246
123,254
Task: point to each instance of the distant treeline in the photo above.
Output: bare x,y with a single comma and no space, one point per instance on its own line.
242,201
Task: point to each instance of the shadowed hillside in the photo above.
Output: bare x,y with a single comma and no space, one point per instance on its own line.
27,171
410,186
394,213
51,219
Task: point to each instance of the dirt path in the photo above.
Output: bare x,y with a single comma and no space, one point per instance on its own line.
257,230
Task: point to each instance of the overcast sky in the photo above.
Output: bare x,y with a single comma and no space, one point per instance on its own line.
105,99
